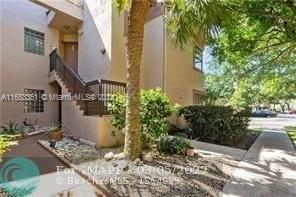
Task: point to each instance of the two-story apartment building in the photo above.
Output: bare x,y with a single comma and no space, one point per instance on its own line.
65,47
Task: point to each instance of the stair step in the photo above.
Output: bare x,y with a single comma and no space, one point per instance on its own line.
92,106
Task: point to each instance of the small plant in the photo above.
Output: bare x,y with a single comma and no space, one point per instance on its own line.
54,132
11,127
54,128
173,145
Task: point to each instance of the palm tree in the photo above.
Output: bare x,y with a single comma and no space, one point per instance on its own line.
188,22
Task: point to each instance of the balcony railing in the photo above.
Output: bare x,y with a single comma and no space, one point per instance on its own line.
99,90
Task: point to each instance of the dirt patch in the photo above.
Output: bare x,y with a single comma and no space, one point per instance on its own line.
244,143
247,141
3,193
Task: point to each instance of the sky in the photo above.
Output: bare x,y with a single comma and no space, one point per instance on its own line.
206,59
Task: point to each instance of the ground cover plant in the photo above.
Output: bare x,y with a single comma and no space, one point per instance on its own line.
292,134
9,135
6,140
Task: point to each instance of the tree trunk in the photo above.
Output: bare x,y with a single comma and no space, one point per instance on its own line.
288,106
283,107
136,22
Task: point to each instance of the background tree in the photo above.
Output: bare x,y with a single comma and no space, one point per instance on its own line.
189,21
256,53
276,86
264,36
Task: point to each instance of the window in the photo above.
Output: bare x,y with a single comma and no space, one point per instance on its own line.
35,104
198,58
34,41
197,97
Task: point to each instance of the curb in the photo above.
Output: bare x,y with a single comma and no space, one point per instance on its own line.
68,164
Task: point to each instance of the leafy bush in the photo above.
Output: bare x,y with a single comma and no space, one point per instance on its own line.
173,145
116,107
155,107
11,127
5,142
217,124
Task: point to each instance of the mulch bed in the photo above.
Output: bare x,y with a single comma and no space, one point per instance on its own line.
76,152
166,175
185,177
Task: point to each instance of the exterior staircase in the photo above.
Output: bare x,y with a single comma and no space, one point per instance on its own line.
100,89
83,118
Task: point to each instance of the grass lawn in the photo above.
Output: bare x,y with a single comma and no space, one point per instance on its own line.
292,133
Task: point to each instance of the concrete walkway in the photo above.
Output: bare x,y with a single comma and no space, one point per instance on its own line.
30,148
267,169
51,183
218,150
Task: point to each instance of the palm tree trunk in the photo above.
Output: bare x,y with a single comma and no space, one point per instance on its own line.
137,18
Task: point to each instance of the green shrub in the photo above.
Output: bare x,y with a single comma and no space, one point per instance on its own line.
217,124
155,107
173,145
11,127
5,142
116,107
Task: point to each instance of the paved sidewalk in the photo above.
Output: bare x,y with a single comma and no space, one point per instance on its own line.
52,183
218,150
267,169
30,148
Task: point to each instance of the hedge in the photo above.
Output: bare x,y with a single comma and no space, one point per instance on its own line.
216,124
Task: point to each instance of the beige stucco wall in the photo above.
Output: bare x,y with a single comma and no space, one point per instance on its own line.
180,77
65,38
152,69
94,37
70,38
21,69
92,128
152,72
164,64
63,6
118,49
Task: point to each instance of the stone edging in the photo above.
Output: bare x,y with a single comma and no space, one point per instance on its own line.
35,133
68,164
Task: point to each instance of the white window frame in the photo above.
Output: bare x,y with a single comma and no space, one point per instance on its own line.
34,41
